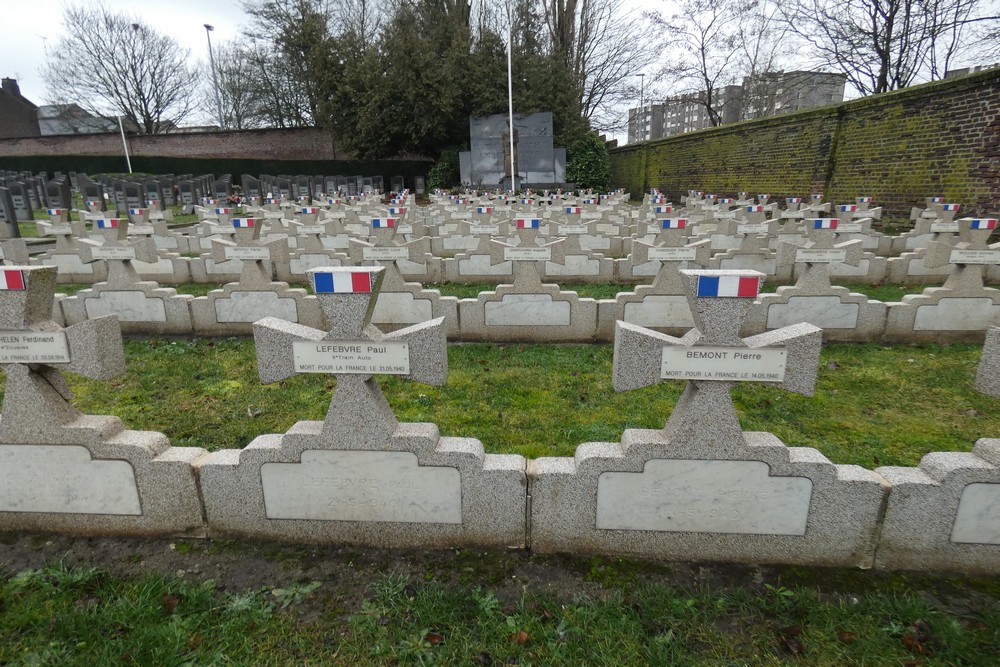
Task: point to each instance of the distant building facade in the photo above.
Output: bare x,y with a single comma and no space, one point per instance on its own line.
18,115
72,119
767,94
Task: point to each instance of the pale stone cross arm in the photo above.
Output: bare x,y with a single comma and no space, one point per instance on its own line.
33,351
713,357
755,235
821,251
386,238
353,350
970,256
118,250
247,247
525,255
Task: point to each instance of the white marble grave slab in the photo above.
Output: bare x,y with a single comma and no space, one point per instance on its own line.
128,306
978,517
825,312
401,308
459,243
68,264
229,267
252,306
681,495
574,265
377,486
646,269
957,314
597,243
336,242
840,269
299,265
660,311
527,310
161,267
750,262
479,265
65,479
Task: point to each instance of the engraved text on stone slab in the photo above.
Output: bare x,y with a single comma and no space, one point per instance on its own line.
672,254
330,485
31,347
114,252
566,230
65,479
735,364
376,254
483,229
351,357
527,254
975,257
820,255
248,253
978,518
681,495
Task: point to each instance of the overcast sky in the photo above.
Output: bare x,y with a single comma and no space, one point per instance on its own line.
29,25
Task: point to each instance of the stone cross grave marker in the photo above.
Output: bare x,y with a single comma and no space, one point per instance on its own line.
670,248
713,357
820,252
388,249
251,251
525,256
353,350
119,251
971,256
33,351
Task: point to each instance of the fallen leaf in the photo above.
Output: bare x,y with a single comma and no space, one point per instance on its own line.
170,602
434,637
520,637
847,637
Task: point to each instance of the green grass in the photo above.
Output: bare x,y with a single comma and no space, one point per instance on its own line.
874,404
67,617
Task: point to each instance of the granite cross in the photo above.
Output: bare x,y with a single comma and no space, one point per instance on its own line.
119,251
712,357
970,257
354,351
820,252
670,248
388,249
249,249
526,254
33,351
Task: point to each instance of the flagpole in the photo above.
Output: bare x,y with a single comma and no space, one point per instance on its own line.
125,144
510,96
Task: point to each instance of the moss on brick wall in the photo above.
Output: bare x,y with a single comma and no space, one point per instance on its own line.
941,138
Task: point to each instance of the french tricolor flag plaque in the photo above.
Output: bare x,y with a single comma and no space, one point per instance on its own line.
11,279
847,208
825,223
663,209
223,211
139,211
977,223
383,223
573,210
674,223
244,223
727,286
54,211
306,210
343,282
951,207
525,223
755,209
483,210
107,223
397,211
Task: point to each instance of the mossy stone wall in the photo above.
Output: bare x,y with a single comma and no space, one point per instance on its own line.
941,138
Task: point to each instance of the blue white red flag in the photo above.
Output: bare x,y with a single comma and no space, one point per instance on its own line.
728,286
327,282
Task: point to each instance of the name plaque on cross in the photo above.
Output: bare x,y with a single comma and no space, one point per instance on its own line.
312,229
492,230
752,228
30,347
121,253
733,364
573,229
850,228
351,357
975,256
247,253
527,254
141,230
944,227
54,230
385,254
666,254
821,255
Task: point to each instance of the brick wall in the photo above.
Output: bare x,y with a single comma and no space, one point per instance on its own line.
288,144
941,138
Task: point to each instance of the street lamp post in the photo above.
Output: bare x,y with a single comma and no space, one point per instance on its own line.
215,79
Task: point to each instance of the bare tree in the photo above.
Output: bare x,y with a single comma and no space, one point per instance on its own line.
603,46
113,64
882,45
241,90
